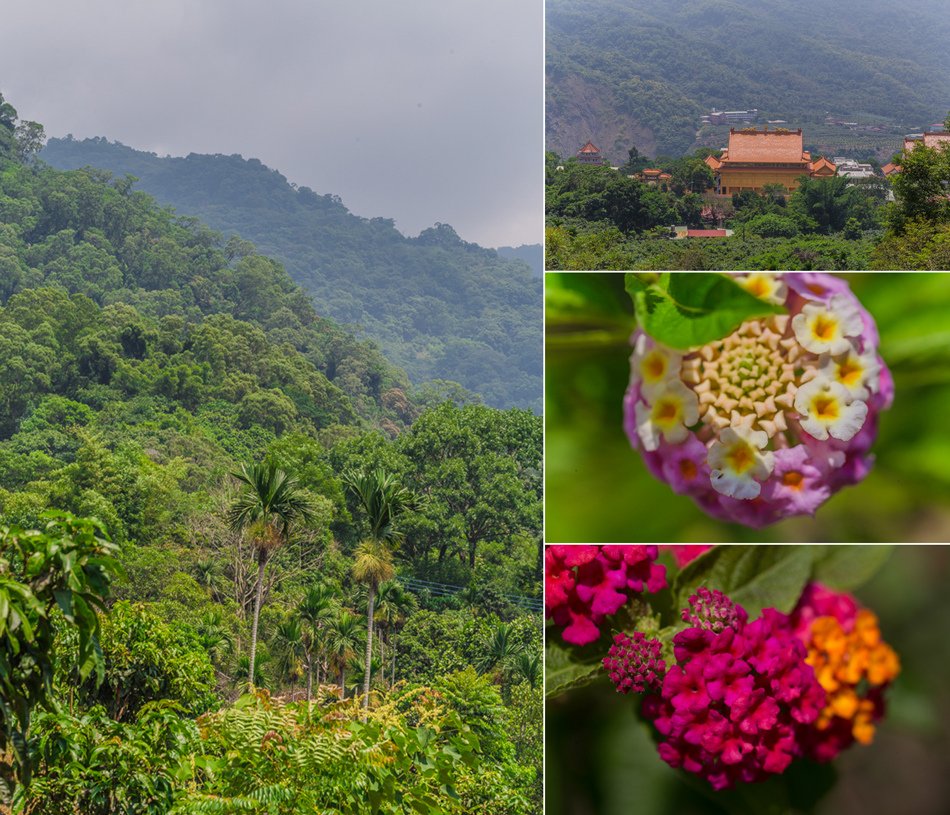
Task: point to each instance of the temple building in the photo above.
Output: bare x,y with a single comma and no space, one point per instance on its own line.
653,176
589,154
756,158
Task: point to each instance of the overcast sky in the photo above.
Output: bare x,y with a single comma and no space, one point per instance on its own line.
417,110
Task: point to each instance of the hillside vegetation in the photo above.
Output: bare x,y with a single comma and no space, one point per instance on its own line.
440,308
643,73
244,566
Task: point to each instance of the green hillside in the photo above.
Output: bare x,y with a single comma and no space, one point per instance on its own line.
244,566
644,72
441,308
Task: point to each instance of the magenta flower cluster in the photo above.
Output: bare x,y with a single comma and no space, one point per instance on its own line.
739,704
713,611
633,663
773,419
585,584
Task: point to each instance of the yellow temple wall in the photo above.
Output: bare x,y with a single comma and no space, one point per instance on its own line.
736,180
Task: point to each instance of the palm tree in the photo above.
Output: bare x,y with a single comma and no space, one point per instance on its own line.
213,636
500,648
289,644
269,503
384,500
373,565
343,639
393,604
316,611
528,666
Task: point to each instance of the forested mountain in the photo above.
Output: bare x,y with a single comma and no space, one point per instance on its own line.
441,308
532,254
285,581
624,73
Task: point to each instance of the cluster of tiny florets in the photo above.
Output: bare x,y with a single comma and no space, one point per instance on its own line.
852,663
713,611
738,703
585,584
633,663
771,420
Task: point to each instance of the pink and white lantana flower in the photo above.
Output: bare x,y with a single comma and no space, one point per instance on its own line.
773,419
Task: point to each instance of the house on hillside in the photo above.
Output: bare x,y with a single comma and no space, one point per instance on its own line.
721,117
853,169
590,154
932,139
755,159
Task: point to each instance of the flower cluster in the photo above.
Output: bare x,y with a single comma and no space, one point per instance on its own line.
738,703
585,584
852,663
713,611
771,420
634,664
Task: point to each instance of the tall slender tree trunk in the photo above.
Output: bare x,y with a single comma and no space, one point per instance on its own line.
382,655
369,648
309,681
342,685
261,564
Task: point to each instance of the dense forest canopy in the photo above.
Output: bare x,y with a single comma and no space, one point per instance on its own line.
441,308
643,73
277,522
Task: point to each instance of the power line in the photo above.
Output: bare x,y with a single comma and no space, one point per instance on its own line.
445,589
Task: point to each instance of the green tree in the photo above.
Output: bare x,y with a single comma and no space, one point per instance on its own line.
268,506
68,565
315,612
393,605
384,500
290,648
343,639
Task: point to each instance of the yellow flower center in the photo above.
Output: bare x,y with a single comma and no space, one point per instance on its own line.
688,469
654,366
666,412
849,372
825,327
758,286
825,408
741,458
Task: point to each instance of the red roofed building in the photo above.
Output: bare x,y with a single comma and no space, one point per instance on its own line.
890,168
757,158
927,140
653,176
589,154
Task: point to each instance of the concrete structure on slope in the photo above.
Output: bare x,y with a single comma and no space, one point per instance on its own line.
853,169
755,159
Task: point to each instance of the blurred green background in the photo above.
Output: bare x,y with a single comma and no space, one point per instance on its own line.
597,488
600,759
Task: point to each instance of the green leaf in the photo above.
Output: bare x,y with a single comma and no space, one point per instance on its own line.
686,310
585,298
844,568
756,577
566,667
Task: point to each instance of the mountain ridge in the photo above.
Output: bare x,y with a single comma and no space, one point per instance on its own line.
441,308
657,66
